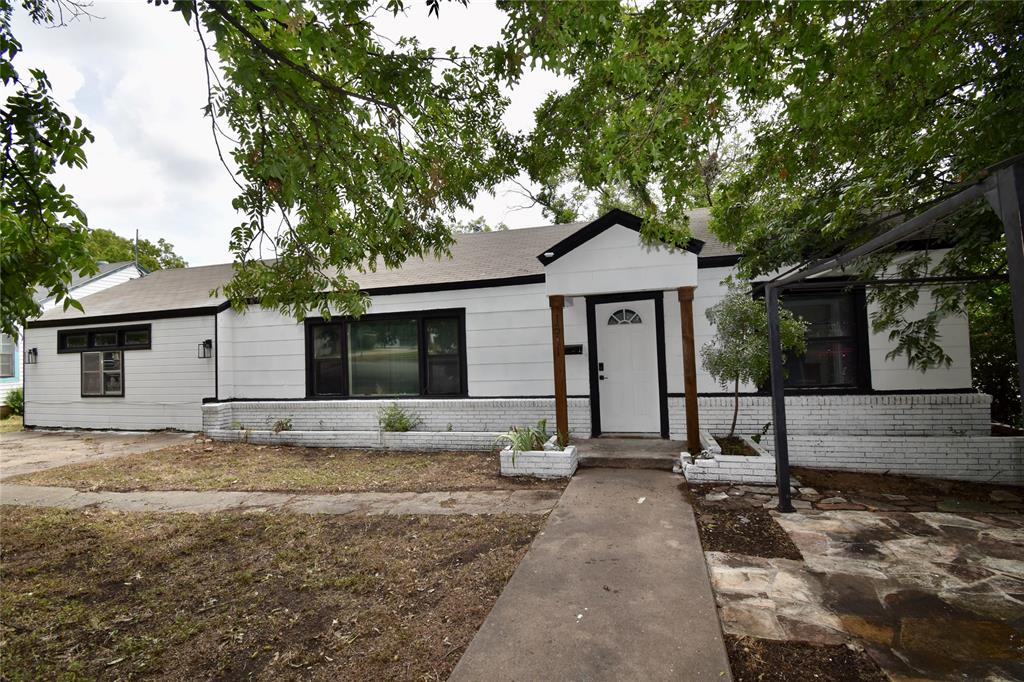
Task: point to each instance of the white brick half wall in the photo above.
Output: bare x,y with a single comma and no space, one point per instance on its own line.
371,440
467,423
940,414
966,458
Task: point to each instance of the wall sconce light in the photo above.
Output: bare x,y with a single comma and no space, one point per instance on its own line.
31,356
206,349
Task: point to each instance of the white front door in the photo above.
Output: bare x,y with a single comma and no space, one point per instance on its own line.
627,356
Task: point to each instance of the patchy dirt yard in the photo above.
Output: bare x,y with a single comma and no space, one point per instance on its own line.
928,594
748,531
202,464
255,596
766,660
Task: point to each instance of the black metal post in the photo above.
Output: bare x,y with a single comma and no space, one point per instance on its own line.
1009,204
778,400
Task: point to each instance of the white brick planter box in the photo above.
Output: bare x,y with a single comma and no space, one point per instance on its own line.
540,463
731,468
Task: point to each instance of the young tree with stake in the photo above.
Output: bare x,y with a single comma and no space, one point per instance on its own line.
739,350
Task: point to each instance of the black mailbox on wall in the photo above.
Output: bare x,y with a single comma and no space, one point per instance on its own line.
574,349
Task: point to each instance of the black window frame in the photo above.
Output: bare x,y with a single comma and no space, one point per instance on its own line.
102,393
420,316
859,337
91,332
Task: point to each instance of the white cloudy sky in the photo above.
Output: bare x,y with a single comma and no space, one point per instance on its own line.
135,76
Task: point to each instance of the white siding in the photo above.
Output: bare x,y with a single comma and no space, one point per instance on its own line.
508,339
617,260
93,286
886,375
163,387
508,344
954,337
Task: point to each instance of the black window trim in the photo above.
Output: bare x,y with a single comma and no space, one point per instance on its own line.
860,338
81,383
420,316
91,332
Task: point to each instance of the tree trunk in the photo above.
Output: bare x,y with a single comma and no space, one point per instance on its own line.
735,408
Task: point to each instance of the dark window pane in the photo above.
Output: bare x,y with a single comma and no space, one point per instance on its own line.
827,363
136,337
443,366
76,341
91,362
92,377
327,377
327,341
442,336
383,357
327,363
826,316
111,361
92,383
112,383
443,375
104,339
831,356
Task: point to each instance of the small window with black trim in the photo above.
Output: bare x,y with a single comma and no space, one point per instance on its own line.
136,337
102,374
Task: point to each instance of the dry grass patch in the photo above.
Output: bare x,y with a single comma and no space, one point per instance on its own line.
11,424
230,596
207,465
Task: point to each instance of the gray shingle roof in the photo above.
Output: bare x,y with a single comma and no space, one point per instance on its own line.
475,257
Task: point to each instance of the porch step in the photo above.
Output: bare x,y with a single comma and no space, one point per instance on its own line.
629,453
630,461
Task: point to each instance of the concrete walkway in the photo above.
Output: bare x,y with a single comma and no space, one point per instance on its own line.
613,588
483,502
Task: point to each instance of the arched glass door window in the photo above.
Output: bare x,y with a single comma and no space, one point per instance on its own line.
625,316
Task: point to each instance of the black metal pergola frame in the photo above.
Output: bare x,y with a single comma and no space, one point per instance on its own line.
1002,185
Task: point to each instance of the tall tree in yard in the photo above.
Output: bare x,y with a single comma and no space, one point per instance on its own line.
110,246
349,150
739,351
42,230
844,117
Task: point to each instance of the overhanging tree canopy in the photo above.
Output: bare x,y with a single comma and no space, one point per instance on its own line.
844,117
1001,185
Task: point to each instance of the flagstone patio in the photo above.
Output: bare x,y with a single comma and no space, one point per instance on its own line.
929,595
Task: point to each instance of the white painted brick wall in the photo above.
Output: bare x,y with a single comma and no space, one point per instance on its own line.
409,440
966,458
492,415
941,414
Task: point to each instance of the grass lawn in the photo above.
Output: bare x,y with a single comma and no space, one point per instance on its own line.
207,465
232,596
10,424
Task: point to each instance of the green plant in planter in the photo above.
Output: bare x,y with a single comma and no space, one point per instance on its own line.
523,438
394,418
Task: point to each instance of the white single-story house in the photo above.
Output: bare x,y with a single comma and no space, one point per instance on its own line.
106,276
581,324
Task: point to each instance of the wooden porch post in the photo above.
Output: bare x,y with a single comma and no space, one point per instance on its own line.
689,370
558,355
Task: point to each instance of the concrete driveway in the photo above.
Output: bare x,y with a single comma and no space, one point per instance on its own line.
27,451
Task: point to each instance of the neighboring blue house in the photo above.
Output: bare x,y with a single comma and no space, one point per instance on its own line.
109,274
